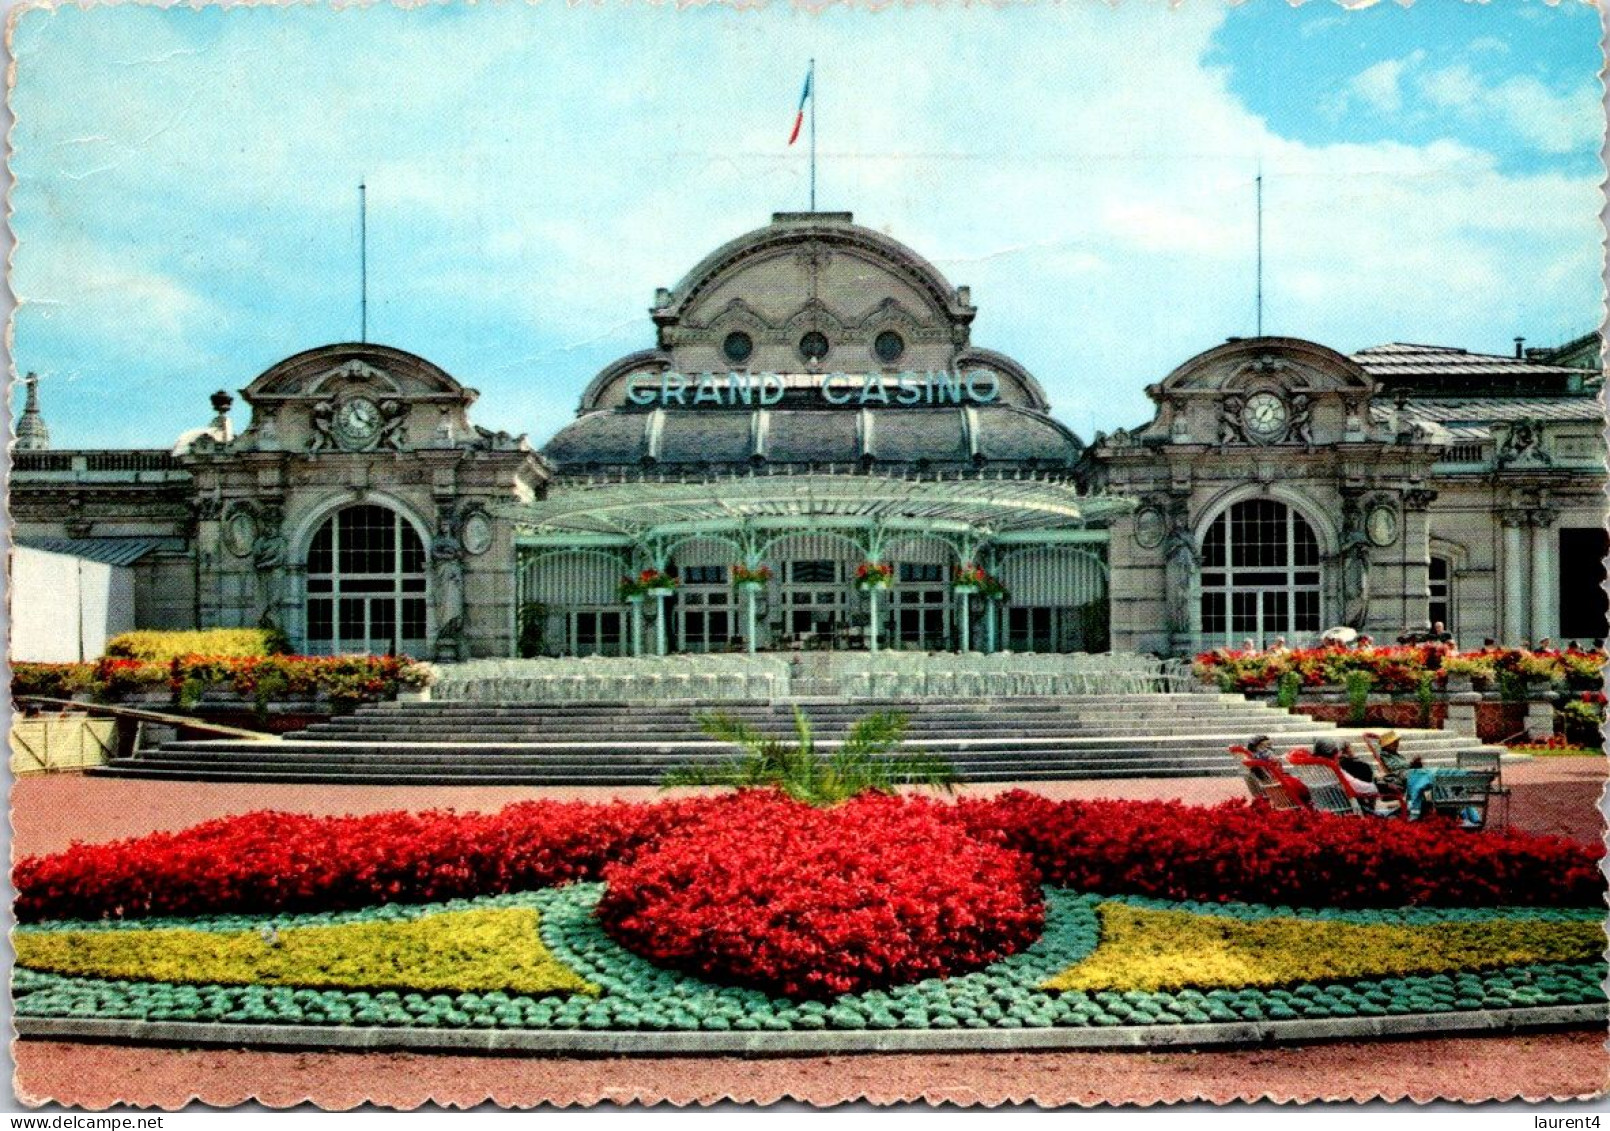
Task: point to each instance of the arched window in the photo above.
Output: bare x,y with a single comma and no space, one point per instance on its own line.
1260,575
366,585
1440,607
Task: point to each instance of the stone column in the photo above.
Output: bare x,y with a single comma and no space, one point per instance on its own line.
659,621
749,589
1540,715
637,625
872,619
1462,712
966,635
1513,629
1544,578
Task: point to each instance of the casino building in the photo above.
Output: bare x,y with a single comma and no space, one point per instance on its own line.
813,410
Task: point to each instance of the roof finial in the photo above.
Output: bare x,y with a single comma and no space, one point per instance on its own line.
32,434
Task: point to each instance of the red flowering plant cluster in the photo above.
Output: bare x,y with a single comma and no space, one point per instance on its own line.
646,583
1237,851
770,893
750,575
272,861
976,579
874,575
1395,668
1554,742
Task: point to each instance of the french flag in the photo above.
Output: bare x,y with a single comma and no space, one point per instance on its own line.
804,97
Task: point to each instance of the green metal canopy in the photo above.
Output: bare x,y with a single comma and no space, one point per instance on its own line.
979,507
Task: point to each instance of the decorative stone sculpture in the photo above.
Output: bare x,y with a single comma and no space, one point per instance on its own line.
323,439
1181,560
268,558
1231,428
1301,428
1355,564
393,434
1523,445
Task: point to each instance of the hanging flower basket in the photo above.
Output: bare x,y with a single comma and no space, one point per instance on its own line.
972,579
750,577
874,575
649,583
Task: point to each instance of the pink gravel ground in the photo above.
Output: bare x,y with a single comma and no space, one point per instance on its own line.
1551,795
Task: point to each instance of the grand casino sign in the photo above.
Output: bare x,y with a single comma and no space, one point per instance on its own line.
979,386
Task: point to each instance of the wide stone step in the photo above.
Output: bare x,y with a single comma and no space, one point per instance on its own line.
643,734
608,748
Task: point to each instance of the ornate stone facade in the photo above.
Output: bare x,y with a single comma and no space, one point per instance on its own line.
806,405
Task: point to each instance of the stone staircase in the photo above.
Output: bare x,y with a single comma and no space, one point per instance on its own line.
620,743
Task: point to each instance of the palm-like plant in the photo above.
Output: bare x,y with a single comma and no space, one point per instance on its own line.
866,761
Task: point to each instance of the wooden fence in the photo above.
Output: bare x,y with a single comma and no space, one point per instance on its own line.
42,744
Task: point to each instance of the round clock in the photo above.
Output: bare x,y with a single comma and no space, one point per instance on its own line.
1264,415
1381,525
356,424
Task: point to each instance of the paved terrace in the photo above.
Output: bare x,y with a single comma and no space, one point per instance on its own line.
1552,795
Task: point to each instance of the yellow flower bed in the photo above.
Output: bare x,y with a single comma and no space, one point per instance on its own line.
162,646
494,949
1142,949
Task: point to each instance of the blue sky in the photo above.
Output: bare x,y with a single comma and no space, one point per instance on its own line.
186,208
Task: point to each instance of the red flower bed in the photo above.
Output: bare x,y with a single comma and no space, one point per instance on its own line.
1244,852
272,861
279,861
809,902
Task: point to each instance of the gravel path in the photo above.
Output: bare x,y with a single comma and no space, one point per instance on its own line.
1552,1065
1552,795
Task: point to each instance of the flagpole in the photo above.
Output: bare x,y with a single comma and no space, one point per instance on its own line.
1260,249
363,262
813,134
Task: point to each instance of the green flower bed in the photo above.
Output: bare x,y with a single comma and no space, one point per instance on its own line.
640,997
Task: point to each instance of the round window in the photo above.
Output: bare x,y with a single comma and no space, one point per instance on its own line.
889,346
738,346
813,346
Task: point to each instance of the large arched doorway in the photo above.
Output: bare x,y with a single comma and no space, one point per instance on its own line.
366,585
1260,576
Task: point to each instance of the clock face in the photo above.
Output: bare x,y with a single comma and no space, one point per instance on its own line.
1265,416
357,423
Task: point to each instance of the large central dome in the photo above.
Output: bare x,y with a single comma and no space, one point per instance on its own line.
813,341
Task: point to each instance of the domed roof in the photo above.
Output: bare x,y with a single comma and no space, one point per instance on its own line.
916,437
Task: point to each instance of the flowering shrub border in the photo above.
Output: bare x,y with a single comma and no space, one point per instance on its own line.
350,678
162,646
1398,668
640,997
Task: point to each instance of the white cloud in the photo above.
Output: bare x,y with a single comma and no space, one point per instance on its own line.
1381,87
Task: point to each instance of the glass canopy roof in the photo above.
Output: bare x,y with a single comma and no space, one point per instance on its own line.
999,507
